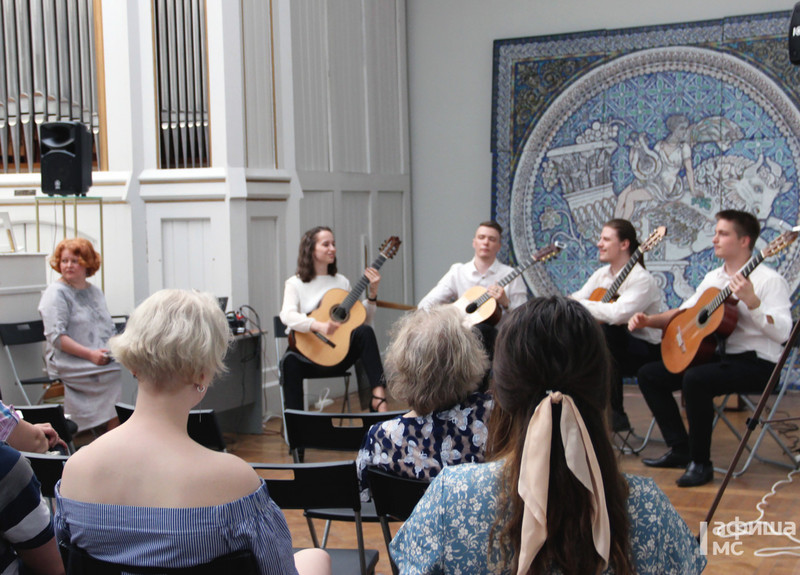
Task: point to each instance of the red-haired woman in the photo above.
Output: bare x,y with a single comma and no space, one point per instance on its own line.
77,326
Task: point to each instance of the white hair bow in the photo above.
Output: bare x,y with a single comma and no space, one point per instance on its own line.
534,476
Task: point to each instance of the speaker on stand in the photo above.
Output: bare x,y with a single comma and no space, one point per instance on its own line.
66,158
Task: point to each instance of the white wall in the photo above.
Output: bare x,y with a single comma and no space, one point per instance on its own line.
450,48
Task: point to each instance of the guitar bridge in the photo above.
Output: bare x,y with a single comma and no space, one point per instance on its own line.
679,340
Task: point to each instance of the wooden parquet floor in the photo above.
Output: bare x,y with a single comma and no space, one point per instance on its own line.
738,503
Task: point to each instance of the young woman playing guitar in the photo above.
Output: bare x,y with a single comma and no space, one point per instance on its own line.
316,274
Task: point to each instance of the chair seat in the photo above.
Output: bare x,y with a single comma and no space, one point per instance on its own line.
347,560
368,514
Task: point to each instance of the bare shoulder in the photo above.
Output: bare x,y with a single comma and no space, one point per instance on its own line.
231,476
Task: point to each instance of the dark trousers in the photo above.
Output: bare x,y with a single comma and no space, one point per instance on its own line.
628,354
295,367
488,334
739,373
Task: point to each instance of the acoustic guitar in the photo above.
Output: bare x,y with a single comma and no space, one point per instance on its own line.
690,338
608,295
342,307
476,303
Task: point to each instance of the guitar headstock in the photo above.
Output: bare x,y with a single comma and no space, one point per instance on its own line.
550,251
653,239
390,246
782,242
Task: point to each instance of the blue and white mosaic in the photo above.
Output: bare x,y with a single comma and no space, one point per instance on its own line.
660,125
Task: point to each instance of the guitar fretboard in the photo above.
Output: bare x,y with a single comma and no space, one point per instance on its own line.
621,276
505,281
725,293
359,288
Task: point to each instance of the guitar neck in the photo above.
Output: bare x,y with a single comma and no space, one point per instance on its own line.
505,281
359,288
621,276
745,271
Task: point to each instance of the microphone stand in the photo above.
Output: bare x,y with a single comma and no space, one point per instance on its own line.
752,422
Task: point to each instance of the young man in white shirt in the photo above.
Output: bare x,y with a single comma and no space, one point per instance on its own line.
483,270
638,293
743,366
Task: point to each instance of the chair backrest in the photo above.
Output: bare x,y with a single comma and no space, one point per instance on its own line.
120,321
48,469
22,333
278,327
52,413
395,497
202,426
314,485
78,562
331,431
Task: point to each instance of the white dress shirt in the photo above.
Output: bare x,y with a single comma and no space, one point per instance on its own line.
753,332
639,292
301,298
461,277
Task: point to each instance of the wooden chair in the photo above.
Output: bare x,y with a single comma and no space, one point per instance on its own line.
318,485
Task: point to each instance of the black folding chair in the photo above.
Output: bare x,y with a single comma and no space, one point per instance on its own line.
203,426
332,432
279,333
316,485
395,498
28,334
53,414
48,469
78,562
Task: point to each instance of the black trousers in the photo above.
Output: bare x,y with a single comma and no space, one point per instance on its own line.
295,367
488,334
737,373
628,354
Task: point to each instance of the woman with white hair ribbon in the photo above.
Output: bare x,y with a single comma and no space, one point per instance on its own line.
551,498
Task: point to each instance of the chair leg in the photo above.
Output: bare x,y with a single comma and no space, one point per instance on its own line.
387,538
360,536
625,443
313,532
326,533
346,401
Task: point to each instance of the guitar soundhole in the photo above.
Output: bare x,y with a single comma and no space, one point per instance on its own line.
702,317
339,314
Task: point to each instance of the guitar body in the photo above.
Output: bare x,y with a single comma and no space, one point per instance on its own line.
317,350
599,293
688,340
489,311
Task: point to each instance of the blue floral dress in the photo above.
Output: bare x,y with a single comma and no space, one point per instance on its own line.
420,447
449,529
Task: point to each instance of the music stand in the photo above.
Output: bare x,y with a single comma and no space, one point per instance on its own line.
752,422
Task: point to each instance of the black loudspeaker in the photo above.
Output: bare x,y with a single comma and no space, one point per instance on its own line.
66,158
794,36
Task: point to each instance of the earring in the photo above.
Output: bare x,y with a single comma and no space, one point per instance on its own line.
200,388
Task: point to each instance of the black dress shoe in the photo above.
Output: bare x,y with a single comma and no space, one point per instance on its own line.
696,474
671,458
